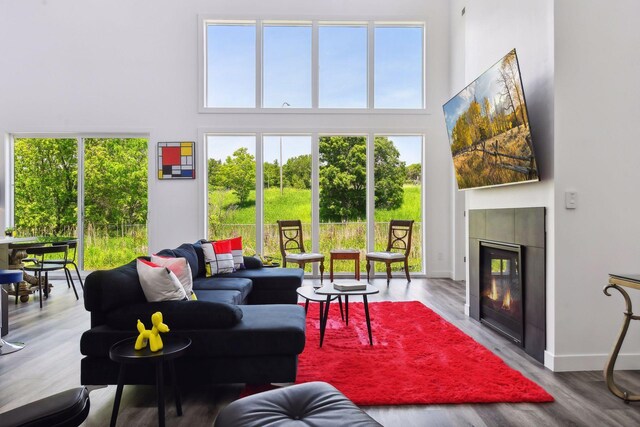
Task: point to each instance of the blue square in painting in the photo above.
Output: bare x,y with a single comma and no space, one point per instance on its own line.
187,173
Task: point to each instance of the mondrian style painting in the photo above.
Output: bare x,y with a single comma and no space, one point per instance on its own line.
176,160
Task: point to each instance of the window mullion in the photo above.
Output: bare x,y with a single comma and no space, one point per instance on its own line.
315,196
370,67
259,67
315,73
370,242
259,193
80,203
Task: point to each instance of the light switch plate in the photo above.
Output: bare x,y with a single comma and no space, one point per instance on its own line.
571,199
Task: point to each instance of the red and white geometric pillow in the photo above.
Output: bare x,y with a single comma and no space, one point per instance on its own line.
236,251
218,257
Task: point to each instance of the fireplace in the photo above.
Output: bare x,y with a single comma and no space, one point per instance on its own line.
507,253
501,289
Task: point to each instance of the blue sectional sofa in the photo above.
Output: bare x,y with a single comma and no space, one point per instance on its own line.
245,327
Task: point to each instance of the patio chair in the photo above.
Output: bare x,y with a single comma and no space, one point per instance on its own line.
291,239
41,267
399,240
71,260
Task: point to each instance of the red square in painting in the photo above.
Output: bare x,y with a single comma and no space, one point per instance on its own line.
171,156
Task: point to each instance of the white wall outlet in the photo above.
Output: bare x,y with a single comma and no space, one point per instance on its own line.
571,199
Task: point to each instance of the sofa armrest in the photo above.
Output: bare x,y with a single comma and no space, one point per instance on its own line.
251,262
178,315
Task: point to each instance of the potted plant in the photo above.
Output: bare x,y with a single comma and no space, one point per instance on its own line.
9,231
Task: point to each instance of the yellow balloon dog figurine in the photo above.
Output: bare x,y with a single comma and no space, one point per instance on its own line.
151,336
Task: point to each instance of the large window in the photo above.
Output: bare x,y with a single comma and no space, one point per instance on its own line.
343,195
313,65
322,180
47,195
231,175
115,201
398,192
287,187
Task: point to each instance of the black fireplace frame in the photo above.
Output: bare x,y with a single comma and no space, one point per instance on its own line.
494,324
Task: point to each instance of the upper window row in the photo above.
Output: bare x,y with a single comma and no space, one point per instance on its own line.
341,65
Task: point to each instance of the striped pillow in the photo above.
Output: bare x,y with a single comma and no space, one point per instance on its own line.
236,251
218,258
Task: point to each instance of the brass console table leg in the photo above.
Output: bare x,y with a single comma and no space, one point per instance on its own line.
608,369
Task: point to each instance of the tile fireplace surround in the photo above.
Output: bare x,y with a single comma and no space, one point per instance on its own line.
525,228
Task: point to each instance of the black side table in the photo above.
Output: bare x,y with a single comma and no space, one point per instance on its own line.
124,353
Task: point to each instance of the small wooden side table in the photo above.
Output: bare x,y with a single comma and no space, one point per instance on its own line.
618,282
342,254
124,353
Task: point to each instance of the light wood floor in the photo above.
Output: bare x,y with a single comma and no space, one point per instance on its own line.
51,363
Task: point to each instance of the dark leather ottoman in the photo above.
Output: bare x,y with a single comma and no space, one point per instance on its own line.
69,408
315,404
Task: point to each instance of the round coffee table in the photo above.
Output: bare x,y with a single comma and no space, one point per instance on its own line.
329,291
124,353
309,294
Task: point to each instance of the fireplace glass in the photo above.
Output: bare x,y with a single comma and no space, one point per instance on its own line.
501,289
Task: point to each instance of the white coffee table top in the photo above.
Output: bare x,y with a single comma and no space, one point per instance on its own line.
330,290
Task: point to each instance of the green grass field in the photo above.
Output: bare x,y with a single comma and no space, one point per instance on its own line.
104,248
113,247
228,219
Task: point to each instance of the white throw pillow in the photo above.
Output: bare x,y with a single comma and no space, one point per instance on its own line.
218,257
159,283
180,267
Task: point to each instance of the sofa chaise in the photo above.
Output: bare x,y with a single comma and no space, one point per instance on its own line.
245,327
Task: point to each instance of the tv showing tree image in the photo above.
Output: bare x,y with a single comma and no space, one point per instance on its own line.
488,127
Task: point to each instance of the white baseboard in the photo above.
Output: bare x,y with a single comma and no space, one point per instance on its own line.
589,362
439,275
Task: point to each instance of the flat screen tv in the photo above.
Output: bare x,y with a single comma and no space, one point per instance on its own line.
488,127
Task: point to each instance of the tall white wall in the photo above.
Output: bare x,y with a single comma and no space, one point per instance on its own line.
124,66
597,69
491,29
580,77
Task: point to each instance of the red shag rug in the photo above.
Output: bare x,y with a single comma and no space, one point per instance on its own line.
417,358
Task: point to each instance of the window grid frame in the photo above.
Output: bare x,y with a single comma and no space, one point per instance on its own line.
315,87
315,135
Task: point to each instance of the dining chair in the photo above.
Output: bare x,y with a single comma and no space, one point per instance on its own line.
291,239
71,260
399,239
40,267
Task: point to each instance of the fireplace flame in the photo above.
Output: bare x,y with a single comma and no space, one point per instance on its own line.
494,290
506,301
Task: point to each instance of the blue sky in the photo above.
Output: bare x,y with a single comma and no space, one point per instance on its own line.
287,66
398,67
231,63
343,66
219,147
231,66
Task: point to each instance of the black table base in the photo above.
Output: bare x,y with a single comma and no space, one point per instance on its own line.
167,355
323,318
